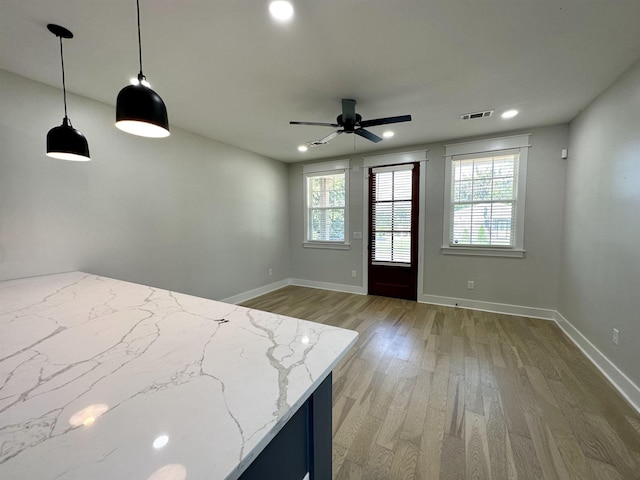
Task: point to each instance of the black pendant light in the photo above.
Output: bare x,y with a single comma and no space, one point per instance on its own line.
140,110
65,142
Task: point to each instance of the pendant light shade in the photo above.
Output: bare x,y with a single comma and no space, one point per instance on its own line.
140,110
65,142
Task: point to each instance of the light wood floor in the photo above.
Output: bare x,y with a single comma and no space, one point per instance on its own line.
433,392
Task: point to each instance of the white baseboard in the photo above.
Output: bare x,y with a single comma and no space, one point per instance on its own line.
627,388
620,381
336,287
256,292
504,308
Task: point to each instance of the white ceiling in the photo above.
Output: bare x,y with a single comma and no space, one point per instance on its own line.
226,70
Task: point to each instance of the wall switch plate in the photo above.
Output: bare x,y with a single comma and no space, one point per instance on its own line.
354,274
471,284
270,272
616,337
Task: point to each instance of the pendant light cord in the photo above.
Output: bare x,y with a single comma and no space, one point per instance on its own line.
64,85
140,75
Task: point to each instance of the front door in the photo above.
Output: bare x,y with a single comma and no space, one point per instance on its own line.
393,230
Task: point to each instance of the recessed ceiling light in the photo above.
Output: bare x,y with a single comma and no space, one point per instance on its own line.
388,134
281,10
160,441
510,114
303,148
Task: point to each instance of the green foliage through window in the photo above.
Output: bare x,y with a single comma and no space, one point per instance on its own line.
483,197
326,203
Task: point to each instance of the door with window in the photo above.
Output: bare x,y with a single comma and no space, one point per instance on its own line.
393,231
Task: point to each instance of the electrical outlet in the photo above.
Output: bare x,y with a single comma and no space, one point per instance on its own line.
471,284
616,337
270,272
354,274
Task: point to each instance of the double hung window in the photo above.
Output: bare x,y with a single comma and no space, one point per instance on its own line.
484,197
326,191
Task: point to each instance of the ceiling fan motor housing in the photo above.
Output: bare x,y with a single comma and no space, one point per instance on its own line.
349,124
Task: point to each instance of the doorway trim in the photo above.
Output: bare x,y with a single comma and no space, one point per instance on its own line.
395,159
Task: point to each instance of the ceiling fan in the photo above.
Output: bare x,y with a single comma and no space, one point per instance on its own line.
351,122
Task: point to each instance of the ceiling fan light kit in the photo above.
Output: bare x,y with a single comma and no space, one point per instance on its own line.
65,142
140,110
351,122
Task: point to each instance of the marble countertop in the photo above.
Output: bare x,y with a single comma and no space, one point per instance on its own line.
105,379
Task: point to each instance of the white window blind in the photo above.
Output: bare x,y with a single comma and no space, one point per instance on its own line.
326,204
484,193
391,214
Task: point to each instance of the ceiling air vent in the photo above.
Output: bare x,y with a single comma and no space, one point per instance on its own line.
472,116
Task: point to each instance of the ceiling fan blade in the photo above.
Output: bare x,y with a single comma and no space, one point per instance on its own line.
318,124
348,110
367,134
328,138
385,121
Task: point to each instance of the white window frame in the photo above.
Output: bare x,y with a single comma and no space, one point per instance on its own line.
492,146
318,169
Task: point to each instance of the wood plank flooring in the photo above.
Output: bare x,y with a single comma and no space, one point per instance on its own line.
432,392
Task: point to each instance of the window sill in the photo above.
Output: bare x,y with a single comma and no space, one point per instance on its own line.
327,245
484,252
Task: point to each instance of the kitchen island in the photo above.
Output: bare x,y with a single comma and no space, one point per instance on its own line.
105,379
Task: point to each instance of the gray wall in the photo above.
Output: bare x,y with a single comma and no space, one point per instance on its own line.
531,282
184,213
194,215
600,275
323,265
